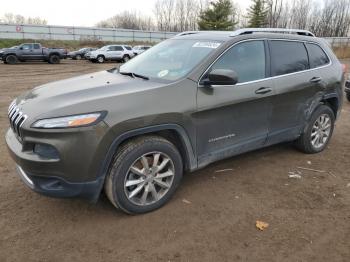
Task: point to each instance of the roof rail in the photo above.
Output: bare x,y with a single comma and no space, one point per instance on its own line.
187,33
245,31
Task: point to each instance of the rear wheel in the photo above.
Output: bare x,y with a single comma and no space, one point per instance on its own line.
100,59
54,59
11,59
78,57
318,132
144,175
126,58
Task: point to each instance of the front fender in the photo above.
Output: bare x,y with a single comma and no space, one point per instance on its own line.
191,159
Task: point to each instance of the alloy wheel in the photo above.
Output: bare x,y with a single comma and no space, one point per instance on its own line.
320,131
149,178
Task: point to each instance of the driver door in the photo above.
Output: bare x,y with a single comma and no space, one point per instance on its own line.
232,119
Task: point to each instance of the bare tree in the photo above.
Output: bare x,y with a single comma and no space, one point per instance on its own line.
128,20
10,18
274,16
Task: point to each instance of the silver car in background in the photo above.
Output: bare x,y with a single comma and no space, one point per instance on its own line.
139,49
122,53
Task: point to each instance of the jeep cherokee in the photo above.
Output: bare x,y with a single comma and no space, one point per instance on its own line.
185,103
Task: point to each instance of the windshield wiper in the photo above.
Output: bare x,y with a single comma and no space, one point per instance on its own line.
133,75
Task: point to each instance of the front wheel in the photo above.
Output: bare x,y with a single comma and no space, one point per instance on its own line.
78,57
100,59
144,175
126,58
318,131
11,59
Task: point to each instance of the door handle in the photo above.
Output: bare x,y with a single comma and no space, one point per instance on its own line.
316,79
263,90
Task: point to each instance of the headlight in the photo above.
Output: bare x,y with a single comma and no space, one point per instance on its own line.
70,121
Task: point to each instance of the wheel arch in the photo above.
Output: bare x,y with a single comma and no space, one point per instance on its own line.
173,132
6,55
54,53
332,100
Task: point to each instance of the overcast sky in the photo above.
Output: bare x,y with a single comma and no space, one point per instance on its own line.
79,12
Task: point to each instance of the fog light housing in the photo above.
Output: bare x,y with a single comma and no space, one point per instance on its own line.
46,151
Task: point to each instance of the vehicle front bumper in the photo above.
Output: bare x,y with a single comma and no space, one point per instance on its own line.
58,187
73,172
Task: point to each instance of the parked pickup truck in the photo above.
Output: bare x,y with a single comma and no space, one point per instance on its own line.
32,52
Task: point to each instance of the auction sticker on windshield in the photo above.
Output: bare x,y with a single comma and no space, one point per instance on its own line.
213,45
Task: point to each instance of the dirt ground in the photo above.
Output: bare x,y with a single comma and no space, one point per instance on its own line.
211,217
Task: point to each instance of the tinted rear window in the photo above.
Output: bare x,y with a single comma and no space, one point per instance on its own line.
317,56
288,57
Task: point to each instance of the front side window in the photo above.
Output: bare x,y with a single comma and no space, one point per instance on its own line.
171,59
26,46
247,59
317,56
288,57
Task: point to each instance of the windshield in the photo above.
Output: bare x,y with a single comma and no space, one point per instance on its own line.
104,48
171,59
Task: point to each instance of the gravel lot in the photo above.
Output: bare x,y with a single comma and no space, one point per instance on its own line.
212,216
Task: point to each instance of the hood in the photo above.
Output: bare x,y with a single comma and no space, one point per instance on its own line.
82,94
7,49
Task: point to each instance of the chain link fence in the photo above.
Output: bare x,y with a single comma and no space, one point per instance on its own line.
341,45
71,33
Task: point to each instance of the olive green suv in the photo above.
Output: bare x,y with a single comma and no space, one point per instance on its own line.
179,106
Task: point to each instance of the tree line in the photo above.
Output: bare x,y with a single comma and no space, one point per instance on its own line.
322,17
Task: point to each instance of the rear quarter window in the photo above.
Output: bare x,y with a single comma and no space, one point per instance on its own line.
317,56
288,57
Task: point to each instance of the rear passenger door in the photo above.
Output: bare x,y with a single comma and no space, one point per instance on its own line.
296,85
37,51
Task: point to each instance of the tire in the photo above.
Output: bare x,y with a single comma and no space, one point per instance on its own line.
308,142
78,57
348,96
133,155
101,59
11,59
126,58
54,59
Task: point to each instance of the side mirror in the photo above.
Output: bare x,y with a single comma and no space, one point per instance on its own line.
221,77
21,48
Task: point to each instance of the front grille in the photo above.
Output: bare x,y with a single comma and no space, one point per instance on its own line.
17,118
